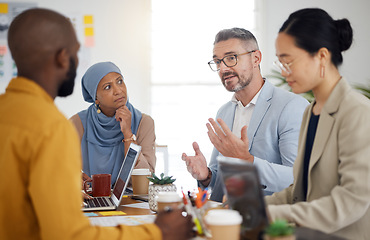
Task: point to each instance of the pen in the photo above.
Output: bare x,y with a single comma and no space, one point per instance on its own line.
190,210
224,204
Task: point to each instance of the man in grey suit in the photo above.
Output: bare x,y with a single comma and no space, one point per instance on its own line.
260,124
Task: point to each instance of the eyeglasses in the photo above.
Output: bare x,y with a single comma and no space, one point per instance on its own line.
229,61
285,66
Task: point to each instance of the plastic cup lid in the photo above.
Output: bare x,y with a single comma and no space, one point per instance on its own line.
141,171
168,197
223,217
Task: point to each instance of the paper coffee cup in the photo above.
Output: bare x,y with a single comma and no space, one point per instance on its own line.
168,199
224,224
140,182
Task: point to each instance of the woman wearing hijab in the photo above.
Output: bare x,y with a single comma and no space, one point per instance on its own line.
111,123
331,188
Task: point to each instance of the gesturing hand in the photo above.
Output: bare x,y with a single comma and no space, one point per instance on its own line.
196,165
227,143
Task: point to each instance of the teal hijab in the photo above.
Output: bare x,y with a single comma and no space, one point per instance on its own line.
102,147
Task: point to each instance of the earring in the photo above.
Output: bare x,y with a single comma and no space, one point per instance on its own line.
97,108
322,71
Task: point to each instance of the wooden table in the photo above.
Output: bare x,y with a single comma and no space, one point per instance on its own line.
301,232
133,211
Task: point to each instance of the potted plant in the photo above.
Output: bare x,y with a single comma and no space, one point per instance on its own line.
279,230
162,184
365,90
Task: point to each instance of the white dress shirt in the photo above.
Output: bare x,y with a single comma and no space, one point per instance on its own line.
243,114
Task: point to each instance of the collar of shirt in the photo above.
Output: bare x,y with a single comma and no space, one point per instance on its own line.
22,84
243,114
253,101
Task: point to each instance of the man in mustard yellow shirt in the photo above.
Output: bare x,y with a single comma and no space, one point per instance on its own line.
40,158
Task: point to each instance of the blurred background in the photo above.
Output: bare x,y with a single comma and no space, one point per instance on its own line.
162,48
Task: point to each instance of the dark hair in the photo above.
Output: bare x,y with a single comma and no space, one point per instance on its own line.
239,33
313,28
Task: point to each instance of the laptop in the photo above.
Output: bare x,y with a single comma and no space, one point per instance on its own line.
112,202
245,194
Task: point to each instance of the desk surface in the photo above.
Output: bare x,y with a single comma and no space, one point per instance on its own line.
133,211
301,232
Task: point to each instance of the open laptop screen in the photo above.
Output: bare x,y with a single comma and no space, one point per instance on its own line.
125,172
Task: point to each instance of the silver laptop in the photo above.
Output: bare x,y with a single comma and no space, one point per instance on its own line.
245,194
112,202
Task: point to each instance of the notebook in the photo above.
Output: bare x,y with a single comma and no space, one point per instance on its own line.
112,202
245,194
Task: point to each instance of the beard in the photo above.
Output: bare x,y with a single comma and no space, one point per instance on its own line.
241,84
66,88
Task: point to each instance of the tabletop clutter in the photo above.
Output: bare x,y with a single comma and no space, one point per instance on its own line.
210,218
243,218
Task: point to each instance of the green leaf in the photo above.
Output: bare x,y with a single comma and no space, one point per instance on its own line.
172,180
363,90
166,178
152,179
279,228
283,84
161,181
155,177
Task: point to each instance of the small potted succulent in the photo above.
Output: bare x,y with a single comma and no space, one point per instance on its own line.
279,230
162,184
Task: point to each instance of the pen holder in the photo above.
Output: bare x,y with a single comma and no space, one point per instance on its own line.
154,189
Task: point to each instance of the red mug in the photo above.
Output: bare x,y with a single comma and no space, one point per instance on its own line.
100,185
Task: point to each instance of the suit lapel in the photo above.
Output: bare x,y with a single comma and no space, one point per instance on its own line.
326,124
262,105
324,128
229,115
326,121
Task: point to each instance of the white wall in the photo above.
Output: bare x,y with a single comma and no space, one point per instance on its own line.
122,35
356,60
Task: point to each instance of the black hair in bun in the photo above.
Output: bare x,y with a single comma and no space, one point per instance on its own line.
314,28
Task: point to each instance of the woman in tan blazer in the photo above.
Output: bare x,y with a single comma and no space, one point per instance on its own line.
111,123
331,188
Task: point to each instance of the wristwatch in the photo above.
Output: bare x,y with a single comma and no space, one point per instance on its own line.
132,138
209,176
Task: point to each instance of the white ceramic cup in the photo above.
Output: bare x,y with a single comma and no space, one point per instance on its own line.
223,224
140,182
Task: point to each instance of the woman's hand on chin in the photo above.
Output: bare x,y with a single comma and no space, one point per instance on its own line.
123,115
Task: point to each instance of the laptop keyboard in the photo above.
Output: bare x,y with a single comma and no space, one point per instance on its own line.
97,202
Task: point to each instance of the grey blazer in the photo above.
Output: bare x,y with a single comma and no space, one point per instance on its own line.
273,138
338,195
